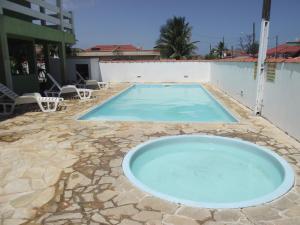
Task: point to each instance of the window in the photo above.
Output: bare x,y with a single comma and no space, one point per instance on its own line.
83,69
21,54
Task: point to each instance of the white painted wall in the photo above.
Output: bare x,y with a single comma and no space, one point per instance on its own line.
281,104
282,99
93,64
236,79
155,71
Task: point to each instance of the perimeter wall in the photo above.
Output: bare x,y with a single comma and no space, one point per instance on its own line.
155,71
281,102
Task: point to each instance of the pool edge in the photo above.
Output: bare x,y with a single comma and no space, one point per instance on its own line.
287,184
233,115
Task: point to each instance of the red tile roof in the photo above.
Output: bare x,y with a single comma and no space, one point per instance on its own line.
241,59
251,59
284,49
110,48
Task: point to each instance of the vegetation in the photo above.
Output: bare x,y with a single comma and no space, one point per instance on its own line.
221,49
217,52
175,39
249,45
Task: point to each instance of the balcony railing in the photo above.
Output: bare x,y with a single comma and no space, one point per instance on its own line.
40,10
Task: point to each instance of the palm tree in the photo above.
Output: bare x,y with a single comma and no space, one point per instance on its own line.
175,39
220,49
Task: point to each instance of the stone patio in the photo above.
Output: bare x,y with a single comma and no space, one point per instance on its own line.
57,170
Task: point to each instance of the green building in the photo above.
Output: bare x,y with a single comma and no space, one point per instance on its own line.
34,38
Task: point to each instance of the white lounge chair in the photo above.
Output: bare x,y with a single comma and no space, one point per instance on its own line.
46,104
58,90
88,83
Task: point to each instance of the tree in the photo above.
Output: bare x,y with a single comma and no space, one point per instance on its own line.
220,49
248,45
175,39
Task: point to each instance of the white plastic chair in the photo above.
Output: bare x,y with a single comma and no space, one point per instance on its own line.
58,90
46,104
90,82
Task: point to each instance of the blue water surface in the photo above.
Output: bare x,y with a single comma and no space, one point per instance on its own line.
162,102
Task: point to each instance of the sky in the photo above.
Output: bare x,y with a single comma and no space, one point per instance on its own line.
138,22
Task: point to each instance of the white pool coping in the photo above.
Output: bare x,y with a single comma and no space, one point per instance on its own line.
283,188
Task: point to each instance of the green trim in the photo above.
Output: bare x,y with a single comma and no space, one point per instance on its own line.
13,26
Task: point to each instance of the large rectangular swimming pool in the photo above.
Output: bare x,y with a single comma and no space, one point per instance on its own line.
162,102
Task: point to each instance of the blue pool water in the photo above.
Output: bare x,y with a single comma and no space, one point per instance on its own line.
208,171
162,103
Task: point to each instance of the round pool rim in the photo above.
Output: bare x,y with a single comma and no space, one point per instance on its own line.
283,188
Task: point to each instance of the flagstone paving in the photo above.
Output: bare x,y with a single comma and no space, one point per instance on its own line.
57,170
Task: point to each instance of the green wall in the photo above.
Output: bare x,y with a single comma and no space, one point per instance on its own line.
16,28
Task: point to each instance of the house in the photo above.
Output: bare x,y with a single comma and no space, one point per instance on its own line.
287,50
34,36
120,52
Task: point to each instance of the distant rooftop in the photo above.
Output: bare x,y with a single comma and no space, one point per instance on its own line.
120,52
285,49
116,47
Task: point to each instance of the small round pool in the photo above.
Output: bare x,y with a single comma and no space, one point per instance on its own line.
208,171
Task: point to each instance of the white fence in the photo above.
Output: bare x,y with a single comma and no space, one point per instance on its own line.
236,79
281,103
181,71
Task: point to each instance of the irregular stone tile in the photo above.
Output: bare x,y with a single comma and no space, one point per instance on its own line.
43,197
99,218
34,172
288,221
282,203
24,200
132,197
108,204
262,213
88,197
51,175
228,215
23,213
106,195
77,179
147,215
13,221
179,220
68,194
37,184
63,216
116,162
117,212
72,207
154,222
157,204
17,186
129,222
195,213
293,211
105,180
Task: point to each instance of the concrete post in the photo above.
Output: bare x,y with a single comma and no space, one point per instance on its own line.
4,59
62,57
72,22
262,55
59,4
